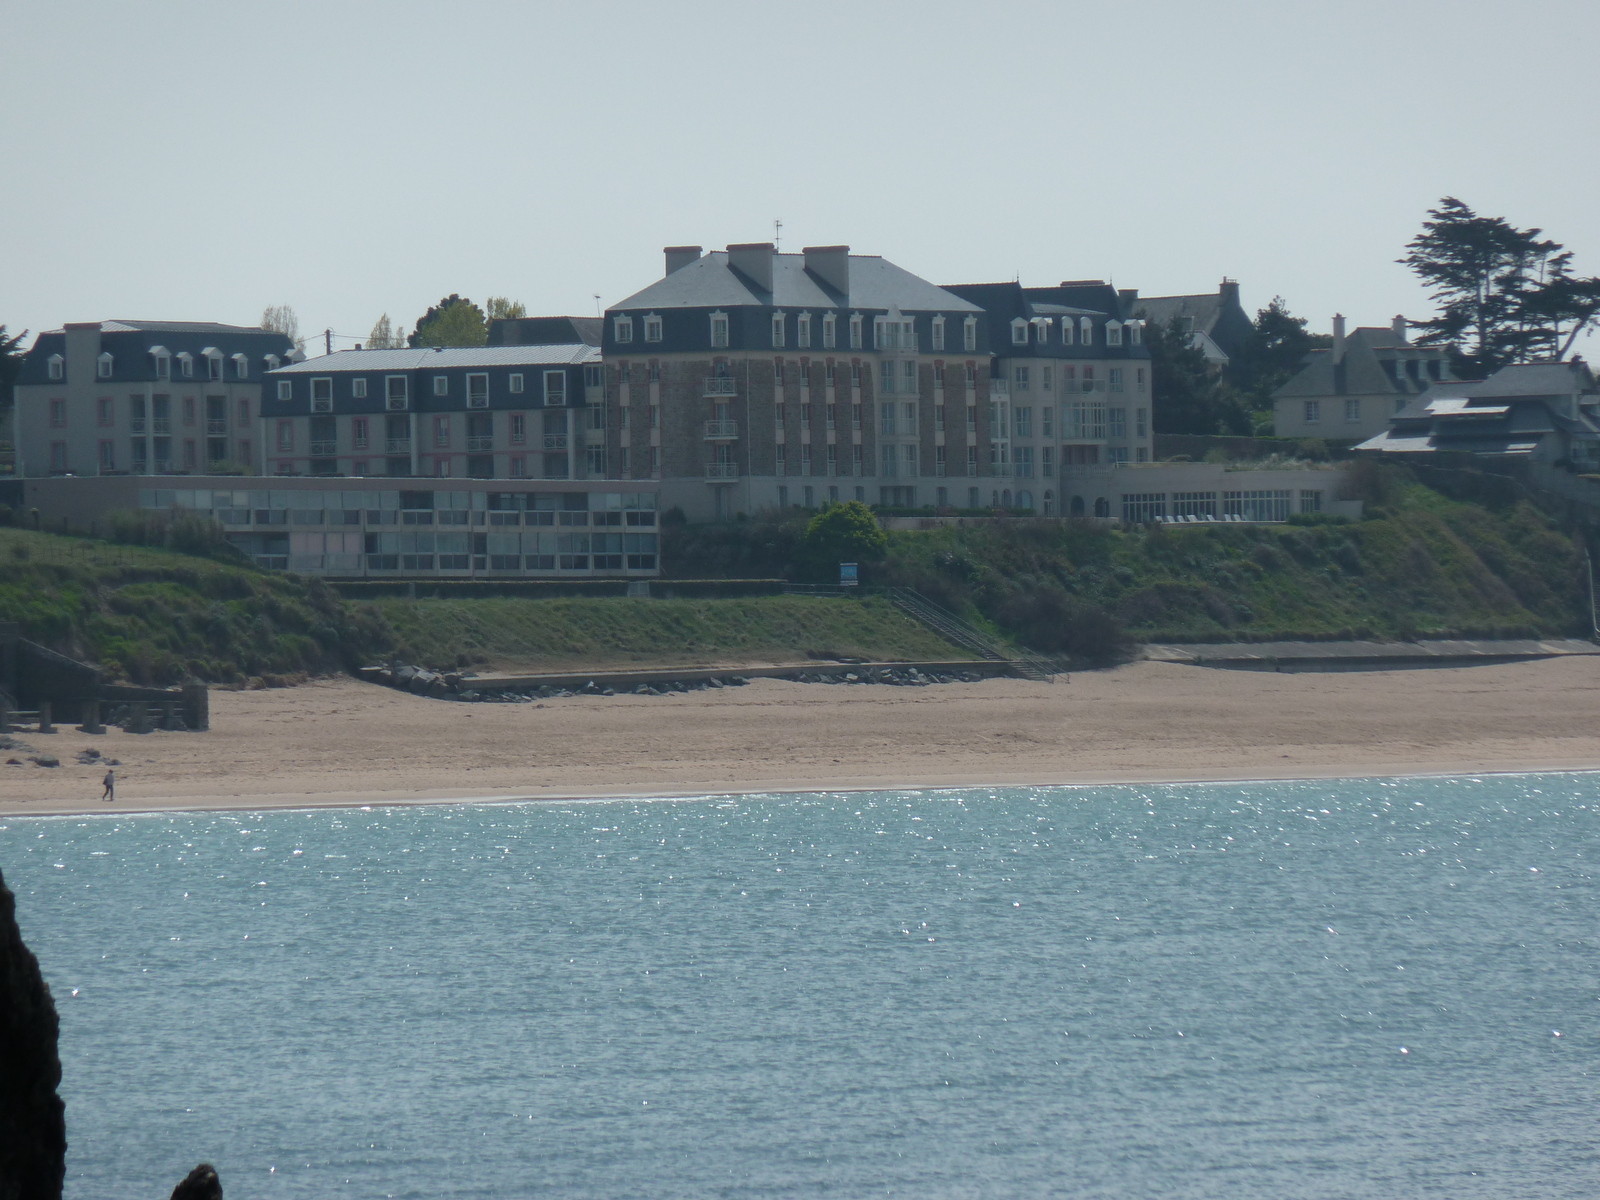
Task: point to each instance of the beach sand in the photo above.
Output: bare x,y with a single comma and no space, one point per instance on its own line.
344,742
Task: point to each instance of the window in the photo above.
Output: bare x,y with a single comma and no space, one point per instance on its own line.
241,367
1313,411
969,334
1143,506
1141,422
1114,379
1066,331
1022,456
886,376
188,410
1024,421
623,328
855,373
652,329
1310,501
104,411
441,385
938,418
441,433
189,456
1041,330
1019,376
244,412
833,459
1047,379
908,455
478,391
890,462
1257,506
58,456
594,375
1352,409
655,370
103,366
322,395
186,361
108,456
285,436
555,388
1086,331
1117,456
972,376
57,367
1138,376
782,460
805,459
1194,504
855,331
1117,422
1135,332
271,361
213,366
1047,461
858,464
719,330
519,429
397,390
1113,333
597,462
358,433
777,329
58,414
972,418
1047,420
777,373
358,389
1141,454
972,469
938,333
829,331
163,364
908,377
1019,332
939,463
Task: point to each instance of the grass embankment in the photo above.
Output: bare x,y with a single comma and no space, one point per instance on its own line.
1419,565
572,634
157,617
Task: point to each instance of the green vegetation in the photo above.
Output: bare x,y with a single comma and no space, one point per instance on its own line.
156,616
618,632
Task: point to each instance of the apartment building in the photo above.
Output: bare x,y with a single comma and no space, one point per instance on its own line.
1350,392
143,397
531,411
1069,388
746,379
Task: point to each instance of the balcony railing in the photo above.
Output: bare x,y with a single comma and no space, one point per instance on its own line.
721,430
397,446
324,449
723,470
136,426
1085,385
163,424
479,445
216,427
721,385
555,441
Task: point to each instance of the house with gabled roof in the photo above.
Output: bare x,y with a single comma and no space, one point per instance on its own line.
1349,392
1216,322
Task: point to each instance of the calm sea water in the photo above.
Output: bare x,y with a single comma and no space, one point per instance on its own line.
1340,989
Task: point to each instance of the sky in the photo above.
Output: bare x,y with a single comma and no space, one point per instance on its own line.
200,161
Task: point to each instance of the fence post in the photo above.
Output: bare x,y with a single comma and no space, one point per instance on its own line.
45,715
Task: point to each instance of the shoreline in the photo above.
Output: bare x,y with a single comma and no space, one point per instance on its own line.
344,743
312,802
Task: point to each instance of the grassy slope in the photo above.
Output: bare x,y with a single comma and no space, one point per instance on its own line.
153,616
561,634
1421,566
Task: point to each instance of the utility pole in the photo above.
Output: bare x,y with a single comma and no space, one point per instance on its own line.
777,235
327,339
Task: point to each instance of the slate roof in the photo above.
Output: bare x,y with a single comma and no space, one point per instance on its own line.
875,283
1509,413
545,331
1361,373
1204,308
128,326
449,357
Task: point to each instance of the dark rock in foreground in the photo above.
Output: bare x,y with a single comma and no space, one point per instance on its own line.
199,1184
33,1126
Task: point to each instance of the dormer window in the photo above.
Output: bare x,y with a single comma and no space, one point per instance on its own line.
623,328
322,395
778,326
271,361
1113,333
855,331
938,332
56,366
719,330
213,358
1019,332
1086,331
186,364
103,366
969,334
1067,337
163,361
830,331
652,328
803,331
1135,333
241,366
1041,330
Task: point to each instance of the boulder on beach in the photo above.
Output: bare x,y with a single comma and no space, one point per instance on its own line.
33,1126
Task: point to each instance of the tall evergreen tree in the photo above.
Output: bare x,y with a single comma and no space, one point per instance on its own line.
10,367
1186,395
451,322
1274,351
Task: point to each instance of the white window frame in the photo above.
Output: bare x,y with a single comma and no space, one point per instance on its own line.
272,361
652,328
830,331
163,362
478,401
1312,411
241,366
1019,332
186,364
937,339
103,365
779,330
441,385
855,331
1041,330
213,358
285,390
1352,408
802,333
719,330
1135,333
1085,331
1067,328
322,404
56,368
515,384
561,390
389,396
358,389
1113,333
622,330
969,334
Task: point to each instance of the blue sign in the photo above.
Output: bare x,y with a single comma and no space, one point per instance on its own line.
847,575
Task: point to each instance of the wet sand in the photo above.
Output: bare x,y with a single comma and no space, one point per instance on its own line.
344,742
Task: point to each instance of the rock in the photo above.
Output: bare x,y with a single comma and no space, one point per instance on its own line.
402,676
642,690
852,677
45,760
33,1127
421,681
714,683
438,689
199,1184
452,680
737,680
85,756
13,762
469,696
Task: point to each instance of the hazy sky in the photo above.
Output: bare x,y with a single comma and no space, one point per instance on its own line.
200,161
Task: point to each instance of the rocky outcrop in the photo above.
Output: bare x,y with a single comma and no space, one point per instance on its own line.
33,1125
199,1184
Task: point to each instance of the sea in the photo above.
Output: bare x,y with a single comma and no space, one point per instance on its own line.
1343,988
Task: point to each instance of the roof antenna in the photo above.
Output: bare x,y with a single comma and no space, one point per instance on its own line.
597,304
777,236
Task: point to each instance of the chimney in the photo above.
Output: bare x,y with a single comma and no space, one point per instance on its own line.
831,264
1129,298
1228,290
680,256
1399,325
753,260
1338,338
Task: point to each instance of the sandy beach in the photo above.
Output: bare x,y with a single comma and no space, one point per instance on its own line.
344,742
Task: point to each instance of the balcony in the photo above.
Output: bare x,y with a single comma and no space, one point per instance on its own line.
163,425
480,445
555,441
722,470
1085,385
216,427
721,385
136,426
397,446
324,449
721,431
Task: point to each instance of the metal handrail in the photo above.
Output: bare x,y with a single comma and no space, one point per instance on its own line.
717,430
721,385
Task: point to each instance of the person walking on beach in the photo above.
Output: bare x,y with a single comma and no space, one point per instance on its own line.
111,786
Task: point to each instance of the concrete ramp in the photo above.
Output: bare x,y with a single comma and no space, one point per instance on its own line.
1363,656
